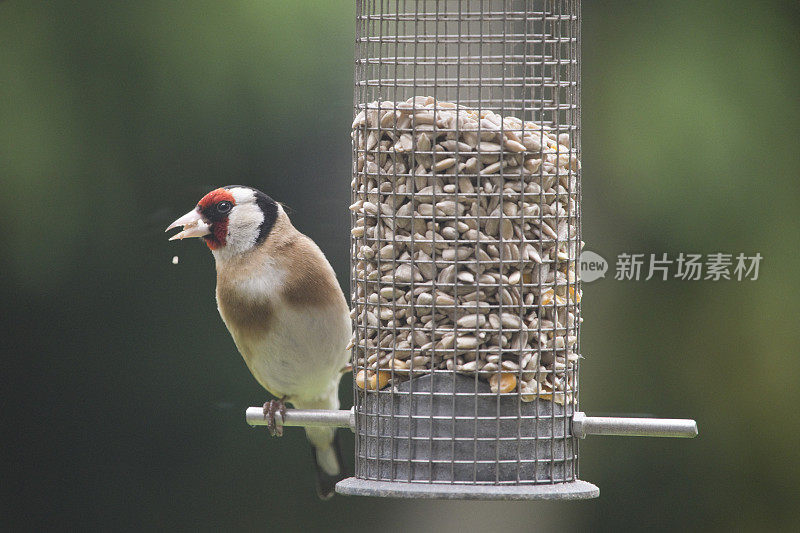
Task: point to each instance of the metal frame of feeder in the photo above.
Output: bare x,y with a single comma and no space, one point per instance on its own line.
430,425
445,428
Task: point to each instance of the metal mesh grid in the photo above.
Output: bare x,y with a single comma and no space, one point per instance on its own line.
433,258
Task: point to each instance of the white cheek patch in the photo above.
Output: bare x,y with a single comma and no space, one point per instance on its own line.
244,221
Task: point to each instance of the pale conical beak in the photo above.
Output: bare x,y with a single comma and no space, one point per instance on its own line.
193,226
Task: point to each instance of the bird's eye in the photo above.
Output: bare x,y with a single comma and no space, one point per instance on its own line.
224,206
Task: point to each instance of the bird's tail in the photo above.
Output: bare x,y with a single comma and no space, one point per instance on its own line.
326,448
328,462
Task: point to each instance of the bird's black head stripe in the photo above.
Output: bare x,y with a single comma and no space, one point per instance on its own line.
270,209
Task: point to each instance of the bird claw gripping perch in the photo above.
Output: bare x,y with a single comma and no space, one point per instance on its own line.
270,408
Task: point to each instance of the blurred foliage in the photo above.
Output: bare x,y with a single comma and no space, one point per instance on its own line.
122,392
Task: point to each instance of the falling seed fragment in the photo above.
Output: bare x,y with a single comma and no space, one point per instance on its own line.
175,260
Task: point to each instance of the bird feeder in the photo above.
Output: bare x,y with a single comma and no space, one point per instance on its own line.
466,234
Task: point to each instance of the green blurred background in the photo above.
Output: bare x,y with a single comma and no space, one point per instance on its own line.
123,394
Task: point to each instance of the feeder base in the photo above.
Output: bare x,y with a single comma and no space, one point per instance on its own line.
573,490
436,427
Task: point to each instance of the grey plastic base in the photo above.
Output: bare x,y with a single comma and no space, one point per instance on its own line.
430,435
573,490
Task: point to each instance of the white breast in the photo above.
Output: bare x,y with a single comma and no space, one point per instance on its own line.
300,350
264,286
302,354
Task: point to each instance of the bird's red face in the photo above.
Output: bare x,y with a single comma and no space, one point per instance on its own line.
215,207
208,220
230,219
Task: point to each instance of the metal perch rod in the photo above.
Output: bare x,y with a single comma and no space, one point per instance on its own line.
304,418
582,425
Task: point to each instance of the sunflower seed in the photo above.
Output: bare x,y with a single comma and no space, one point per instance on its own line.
456,265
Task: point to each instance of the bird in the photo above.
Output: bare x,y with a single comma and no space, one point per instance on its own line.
279,298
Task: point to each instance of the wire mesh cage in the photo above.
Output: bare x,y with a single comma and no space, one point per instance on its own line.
465,240
466,236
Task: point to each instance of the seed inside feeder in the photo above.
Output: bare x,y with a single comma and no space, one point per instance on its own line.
466,242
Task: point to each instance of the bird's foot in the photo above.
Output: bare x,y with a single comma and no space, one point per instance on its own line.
270,409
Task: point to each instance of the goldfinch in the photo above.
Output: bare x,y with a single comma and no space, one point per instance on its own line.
279,298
